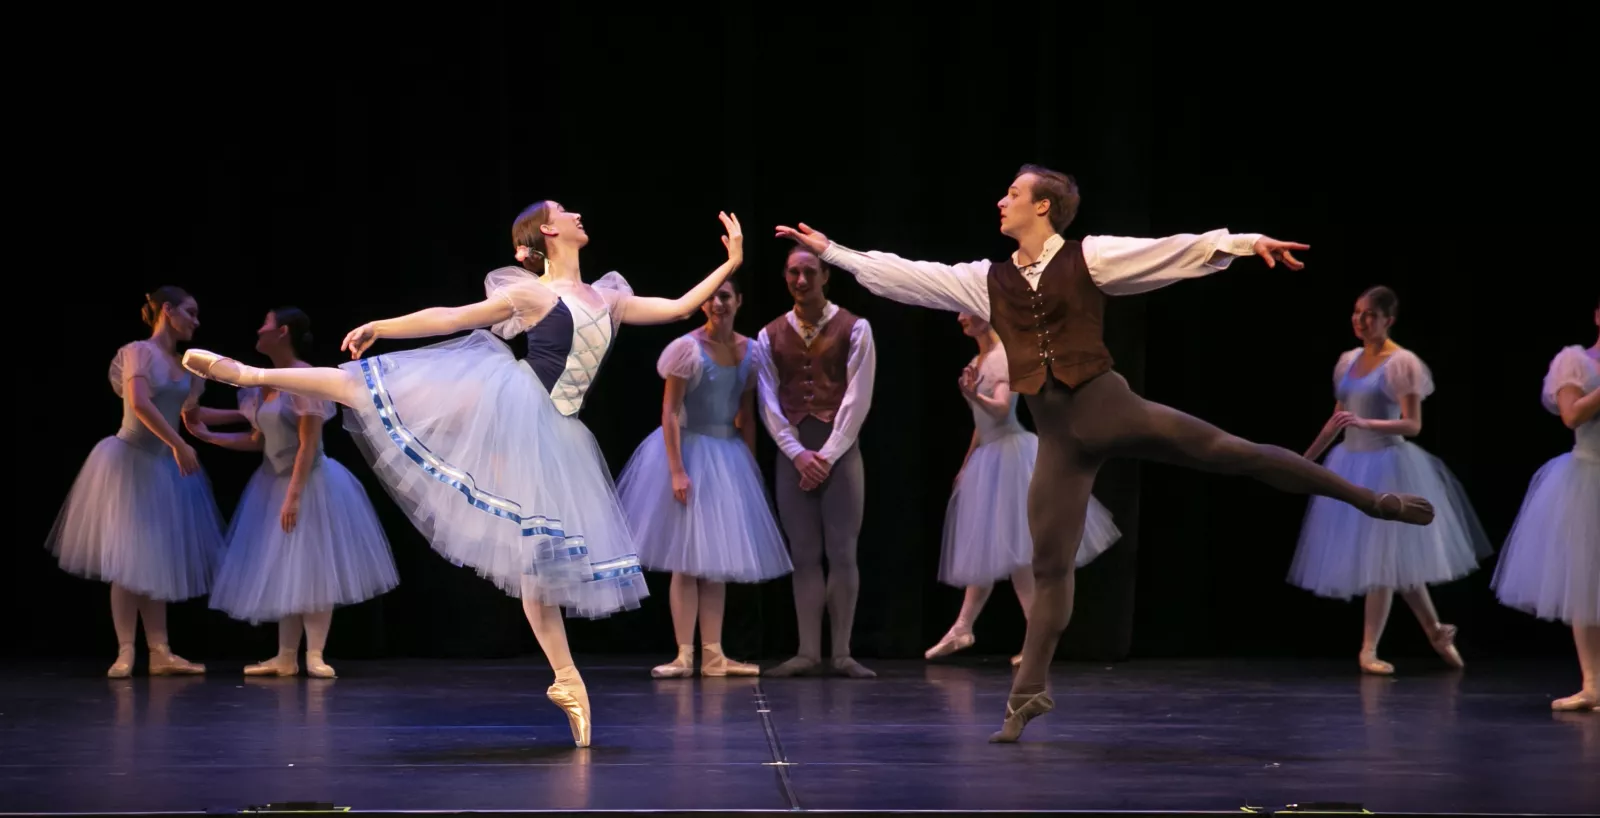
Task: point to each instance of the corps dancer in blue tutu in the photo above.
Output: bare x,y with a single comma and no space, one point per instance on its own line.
141,515
986,537
1344,553
304,538
1551,563
485,452
693,491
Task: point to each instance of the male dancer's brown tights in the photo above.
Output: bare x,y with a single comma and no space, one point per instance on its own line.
1079,429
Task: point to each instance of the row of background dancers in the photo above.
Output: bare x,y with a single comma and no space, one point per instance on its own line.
695,474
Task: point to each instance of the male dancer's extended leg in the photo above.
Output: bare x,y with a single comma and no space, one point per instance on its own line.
843,504
800,514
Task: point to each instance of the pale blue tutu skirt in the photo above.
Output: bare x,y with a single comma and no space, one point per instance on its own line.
1343,553
468,443
726,532
336,555
1550,566
986,535
133,519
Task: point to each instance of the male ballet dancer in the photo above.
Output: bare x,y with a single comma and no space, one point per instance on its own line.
815,368
1047,303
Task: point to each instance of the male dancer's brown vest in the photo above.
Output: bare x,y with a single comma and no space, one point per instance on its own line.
812,380
1054,330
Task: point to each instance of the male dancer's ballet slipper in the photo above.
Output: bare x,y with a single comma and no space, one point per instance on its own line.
280,665
796,666
953,641
163,662
846,666
1370,663
1586,700
575,701
1444,641
1032,706
214,367
714,662
1405,508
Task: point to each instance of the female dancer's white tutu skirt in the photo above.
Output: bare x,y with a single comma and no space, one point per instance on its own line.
726,532
133,519
986,535
1550,566
1343,553
336,555
467,441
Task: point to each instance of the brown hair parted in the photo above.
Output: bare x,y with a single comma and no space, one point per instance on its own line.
298,324
158,298
1060,189
1383,300
525,233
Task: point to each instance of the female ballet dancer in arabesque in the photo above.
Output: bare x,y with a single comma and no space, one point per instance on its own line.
485,452
693,490
304,538
986,536
1551,563
1343,553
141,515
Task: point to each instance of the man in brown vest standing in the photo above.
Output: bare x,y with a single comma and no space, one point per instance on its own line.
1047,302
815,366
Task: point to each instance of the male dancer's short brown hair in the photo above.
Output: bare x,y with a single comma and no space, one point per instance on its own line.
1060,189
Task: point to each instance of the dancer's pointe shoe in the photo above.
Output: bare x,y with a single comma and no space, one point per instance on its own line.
1405,508
1016,661
574,699
1022,708
846,666
211,366
123,667
714,662
317,668
1370,663
953,641
163,662
1444,641
1586,700
797,666
679,668
280,665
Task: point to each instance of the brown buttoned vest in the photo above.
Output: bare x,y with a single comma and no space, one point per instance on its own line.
812,380
1054,330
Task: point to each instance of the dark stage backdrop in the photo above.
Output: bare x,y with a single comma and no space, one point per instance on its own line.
361,167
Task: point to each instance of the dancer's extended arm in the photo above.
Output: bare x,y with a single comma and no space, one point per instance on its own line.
953,287
1124,266
639,309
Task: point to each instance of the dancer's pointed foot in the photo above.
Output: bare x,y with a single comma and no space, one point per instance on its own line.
211,366
1022,708
123,667
1405,508
679,668
1016,661
846,666
1370,663
283,664
316,667
713,662
1583,700
573,698
797,666
1444,641
163,662
957,639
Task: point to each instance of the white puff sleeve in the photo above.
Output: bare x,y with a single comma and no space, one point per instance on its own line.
529,298
615,290
681,359
1406,374
133,360
1570,367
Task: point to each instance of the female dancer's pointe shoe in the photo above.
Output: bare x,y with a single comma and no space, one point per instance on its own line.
1370,663
1405,508
318,668
575,701
1586,700
1016,661
953,641
715,663
211,366
123,667
163,662
679,668
1022,708
1444,641
280,665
